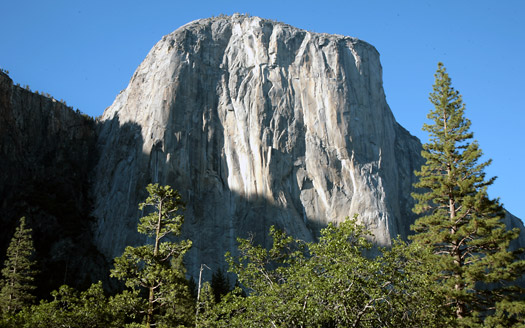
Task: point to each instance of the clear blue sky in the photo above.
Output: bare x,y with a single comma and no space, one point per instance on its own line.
85,52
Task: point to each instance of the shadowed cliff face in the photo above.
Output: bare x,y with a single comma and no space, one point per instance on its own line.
255,123
46,154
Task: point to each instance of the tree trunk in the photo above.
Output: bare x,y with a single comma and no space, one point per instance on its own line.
456,251
151,298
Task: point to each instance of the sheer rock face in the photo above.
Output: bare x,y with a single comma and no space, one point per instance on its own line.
47,151
256,123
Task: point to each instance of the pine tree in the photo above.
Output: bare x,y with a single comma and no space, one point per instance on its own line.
220,284
18,273
459,222
158,267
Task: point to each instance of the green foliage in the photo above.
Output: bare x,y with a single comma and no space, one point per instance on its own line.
158,269
508,313
331,284
155,271
206,317
70,309
18,274
87,309
459,223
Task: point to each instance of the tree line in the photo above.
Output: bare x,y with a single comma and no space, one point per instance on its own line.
457,269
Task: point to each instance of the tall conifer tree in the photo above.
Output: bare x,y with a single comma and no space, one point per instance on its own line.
459,222
158,267
18,274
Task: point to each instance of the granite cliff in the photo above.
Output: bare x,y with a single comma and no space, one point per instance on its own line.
47,151
255,122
